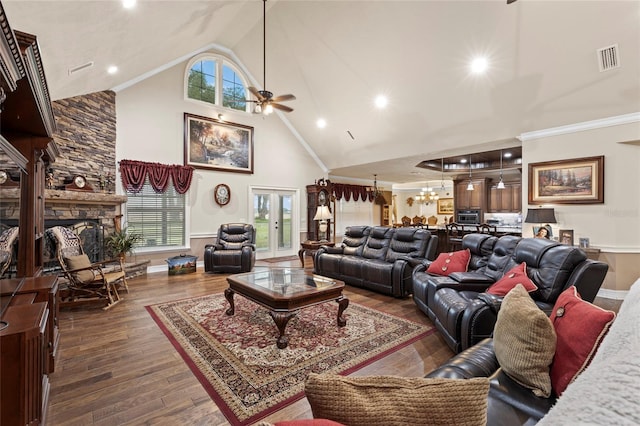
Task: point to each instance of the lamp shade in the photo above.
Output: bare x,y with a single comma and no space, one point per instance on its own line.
322,213
541,216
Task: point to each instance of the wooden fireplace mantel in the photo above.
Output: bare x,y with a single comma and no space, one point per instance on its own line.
55,196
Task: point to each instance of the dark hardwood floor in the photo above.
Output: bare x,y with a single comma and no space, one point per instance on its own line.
116,367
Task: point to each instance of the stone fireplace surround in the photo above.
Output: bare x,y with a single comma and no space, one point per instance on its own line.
67,208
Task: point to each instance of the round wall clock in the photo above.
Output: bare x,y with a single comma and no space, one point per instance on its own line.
222,194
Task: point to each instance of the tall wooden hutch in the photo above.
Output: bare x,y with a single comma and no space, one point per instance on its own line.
28,302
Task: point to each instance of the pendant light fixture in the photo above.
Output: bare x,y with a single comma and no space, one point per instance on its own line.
470,186
501,183
442,174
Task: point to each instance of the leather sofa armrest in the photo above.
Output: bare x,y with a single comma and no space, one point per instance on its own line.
250,245
491,300
476,361
414,261
471,277
330,250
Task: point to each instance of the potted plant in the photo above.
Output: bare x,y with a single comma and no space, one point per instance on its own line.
120,243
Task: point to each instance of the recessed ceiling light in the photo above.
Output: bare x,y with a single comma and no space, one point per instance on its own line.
381,101
507,155
321,123
464,160
479,65
128,4
112,69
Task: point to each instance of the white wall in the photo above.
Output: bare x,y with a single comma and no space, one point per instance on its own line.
614,225
150,127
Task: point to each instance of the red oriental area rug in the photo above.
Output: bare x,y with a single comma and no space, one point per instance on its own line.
237,361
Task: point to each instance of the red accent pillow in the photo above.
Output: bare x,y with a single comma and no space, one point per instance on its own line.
580,327
446,263
517,275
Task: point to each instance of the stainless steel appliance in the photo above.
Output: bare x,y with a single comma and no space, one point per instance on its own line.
468,217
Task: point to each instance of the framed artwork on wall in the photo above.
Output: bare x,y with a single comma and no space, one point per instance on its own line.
566,236
576,181
445,206
217,145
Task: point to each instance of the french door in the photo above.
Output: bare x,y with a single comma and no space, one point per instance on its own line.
275,218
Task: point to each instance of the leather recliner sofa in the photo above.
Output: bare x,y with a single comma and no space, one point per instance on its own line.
465,314
377,257
509,402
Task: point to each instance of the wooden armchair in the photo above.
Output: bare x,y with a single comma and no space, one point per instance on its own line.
86,280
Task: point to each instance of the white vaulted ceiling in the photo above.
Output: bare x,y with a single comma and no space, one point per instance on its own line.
337,56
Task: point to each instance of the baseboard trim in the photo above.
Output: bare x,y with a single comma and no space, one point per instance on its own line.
612,294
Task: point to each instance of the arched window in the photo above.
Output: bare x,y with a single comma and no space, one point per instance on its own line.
207,73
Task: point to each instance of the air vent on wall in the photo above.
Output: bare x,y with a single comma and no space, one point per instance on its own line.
608,58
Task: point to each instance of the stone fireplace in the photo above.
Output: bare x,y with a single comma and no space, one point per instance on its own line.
90,214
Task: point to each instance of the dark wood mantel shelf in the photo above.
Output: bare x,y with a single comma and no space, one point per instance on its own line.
55,196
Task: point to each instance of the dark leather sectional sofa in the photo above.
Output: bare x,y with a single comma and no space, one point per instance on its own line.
465,314
509,402
377,257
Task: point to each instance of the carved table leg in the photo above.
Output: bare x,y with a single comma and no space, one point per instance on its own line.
301,256
343,302
228,294
281,319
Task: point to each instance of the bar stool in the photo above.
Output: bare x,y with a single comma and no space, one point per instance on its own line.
454,236
485,228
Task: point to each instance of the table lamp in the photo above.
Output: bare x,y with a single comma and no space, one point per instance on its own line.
540,216
322,214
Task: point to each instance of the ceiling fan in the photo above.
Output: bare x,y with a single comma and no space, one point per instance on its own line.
266,101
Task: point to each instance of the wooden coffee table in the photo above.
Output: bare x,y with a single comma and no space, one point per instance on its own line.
284,291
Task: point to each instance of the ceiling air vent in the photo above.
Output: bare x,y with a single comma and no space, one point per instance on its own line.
608,58
80,67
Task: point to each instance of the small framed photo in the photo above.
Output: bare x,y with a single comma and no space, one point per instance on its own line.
566,236
584,243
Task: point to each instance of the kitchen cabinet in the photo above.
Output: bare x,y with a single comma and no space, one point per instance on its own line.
471,200
507,200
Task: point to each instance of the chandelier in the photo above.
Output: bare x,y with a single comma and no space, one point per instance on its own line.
427,196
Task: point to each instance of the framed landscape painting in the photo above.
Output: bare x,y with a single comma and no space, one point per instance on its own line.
576,181
445,206
217,145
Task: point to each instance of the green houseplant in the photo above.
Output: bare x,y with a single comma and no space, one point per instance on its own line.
120,243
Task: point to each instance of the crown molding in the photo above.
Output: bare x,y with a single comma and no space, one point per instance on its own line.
618,120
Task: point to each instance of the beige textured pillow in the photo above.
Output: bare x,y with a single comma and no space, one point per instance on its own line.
78,262
391,400
525,341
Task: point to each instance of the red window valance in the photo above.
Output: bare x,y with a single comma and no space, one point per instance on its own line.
133,174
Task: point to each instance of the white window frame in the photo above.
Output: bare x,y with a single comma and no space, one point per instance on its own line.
220,60
159,248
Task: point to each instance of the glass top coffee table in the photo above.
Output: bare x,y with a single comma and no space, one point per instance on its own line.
284,291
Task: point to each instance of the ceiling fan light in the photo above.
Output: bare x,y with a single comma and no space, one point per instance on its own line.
268,109
257,109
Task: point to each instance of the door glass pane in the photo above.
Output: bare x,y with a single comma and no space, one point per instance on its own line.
284,229
261,220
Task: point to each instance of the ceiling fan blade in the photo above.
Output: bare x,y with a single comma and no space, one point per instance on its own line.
281,107
283,98
256,93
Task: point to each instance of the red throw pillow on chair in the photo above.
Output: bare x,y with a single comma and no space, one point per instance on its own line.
580,327
447,263
517,275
